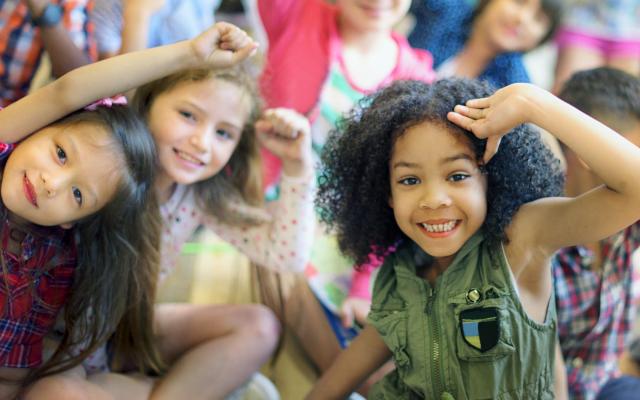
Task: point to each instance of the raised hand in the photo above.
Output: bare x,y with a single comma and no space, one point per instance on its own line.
354,309
287,134
494,116
223,45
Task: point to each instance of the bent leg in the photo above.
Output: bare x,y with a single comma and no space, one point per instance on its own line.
75,385
212,349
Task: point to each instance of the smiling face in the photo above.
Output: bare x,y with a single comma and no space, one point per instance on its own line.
368,15
61,174
438,193
513,25
196,127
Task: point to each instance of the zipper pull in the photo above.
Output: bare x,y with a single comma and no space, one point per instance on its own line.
430,300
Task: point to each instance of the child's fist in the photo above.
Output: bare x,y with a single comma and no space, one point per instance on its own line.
223,45
287,134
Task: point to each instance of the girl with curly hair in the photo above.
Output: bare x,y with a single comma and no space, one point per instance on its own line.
465,304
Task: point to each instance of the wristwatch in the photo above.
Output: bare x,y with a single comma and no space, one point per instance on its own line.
51,16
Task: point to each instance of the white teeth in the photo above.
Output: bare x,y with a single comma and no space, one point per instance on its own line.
446,227
188,157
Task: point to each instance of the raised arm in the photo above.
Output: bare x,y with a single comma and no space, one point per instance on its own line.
364,355
557,222
136,15
65,55
221,46
283,243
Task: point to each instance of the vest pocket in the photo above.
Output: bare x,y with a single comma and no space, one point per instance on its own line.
391,324
483,331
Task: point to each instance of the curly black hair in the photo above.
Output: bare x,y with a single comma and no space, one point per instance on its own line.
354,186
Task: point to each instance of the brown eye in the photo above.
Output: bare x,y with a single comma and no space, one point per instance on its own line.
77,195
62,156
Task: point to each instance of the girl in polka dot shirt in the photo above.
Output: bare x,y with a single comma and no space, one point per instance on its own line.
207,124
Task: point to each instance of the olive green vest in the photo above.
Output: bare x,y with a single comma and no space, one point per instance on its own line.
466,338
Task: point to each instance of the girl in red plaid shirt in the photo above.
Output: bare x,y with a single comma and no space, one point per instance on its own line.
75,193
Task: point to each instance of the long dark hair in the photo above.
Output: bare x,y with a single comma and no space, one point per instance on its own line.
115,278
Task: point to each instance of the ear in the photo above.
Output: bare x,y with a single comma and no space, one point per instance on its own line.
390,201
68,225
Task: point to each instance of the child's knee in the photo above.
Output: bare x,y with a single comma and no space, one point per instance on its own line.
263,323
56,387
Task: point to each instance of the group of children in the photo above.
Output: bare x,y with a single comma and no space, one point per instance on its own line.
443,187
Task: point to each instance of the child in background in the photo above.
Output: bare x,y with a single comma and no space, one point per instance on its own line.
596,283
122,26
61,28
466,300
627,385
484,39
598,33
58,185
322,58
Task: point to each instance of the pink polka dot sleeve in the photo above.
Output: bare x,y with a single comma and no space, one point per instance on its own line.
284,243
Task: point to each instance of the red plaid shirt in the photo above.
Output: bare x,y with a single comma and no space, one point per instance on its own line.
21,47
596,309
33,287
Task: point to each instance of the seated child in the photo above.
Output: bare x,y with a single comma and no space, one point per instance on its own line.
596,283
469,196
76,195
483,39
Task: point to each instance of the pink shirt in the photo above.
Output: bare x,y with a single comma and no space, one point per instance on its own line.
304,42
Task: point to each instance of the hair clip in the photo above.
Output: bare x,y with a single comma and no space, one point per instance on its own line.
107,102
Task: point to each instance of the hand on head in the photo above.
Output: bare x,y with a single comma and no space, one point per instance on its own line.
223,45
494,116
287,134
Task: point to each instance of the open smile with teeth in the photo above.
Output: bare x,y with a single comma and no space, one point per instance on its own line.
445,227
187,157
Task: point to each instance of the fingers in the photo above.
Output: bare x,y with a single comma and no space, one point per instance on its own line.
461,120
286,123
478,103
346,316
236,40
474,113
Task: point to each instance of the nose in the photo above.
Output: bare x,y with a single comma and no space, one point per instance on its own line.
53,182
201,139
434,197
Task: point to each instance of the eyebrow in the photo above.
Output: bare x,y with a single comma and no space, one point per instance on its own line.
75,152
203,111
461,156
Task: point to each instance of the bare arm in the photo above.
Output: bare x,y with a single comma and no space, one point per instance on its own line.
560,375
220,46
363,356
63,53
136,15
586,218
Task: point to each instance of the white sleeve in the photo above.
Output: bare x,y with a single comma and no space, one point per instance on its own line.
107,20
